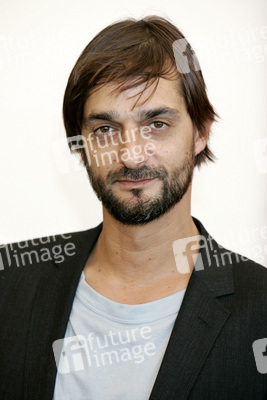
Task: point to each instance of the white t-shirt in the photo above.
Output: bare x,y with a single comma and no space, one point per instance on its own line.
113,351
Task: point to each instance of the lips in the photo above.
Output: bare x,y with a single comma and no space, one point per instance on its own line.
134,182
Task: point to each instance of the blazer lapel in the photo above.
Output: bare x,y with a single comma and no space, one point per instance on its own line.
199,322
197,326
50,315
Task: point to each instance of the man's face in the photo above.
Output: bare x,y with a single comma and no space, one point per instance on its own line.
140,159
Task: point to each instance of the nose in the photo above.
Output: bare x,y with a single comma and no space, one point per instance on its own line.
132,152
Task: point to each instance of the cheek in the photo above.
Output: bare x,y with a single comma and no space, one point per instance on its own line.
171,153
100,166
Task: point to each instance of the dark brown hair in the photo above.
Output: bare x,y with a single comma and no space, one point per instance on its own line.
132,52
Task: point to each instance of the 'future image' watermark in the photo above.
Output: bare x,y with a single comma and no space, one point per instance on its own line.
103,150
201,252
35,251
78,353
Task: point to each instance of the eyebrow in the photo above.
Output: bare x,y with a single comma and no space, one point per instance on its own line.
107,116
171,112
113,116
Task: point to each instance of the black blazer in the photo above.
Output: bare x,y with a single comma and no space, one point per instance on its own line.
209,355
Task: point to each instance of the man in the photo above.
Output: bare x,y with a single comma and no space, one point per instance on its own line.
147,305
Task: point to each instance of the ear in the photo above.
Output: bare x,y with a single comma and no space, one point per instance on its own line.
201,141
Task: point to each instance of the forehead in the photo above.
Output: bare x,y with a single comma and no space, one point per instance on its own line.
130,102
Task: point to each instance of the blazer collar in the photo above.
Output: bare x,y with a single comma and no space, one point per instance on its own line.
199,321
214,264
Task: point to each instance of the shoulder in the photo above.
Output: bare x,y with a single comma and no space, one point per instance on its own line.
32,259
250,278
245,271
221,263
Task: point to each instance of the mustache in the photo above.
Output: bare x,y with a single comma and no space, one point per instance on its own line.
144,172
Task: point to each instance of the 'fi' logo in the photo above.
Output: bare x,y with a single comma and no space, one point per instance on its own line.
65,162
260,354
182,51
187,252
71,354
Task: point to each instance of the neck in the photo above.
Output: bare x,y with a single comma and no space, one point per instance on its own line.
136,264
144,252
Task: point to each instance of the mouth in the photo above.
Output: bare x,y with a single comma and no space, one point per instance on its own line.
134,183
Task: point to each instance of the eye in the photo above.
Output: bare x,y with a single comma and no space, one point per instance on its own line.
158,124
104,129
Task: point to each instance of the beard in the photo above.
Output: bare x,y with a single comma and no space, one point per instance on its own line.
145,209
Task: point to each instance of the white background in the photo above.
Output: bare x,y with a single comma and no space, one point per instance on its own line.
39,44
